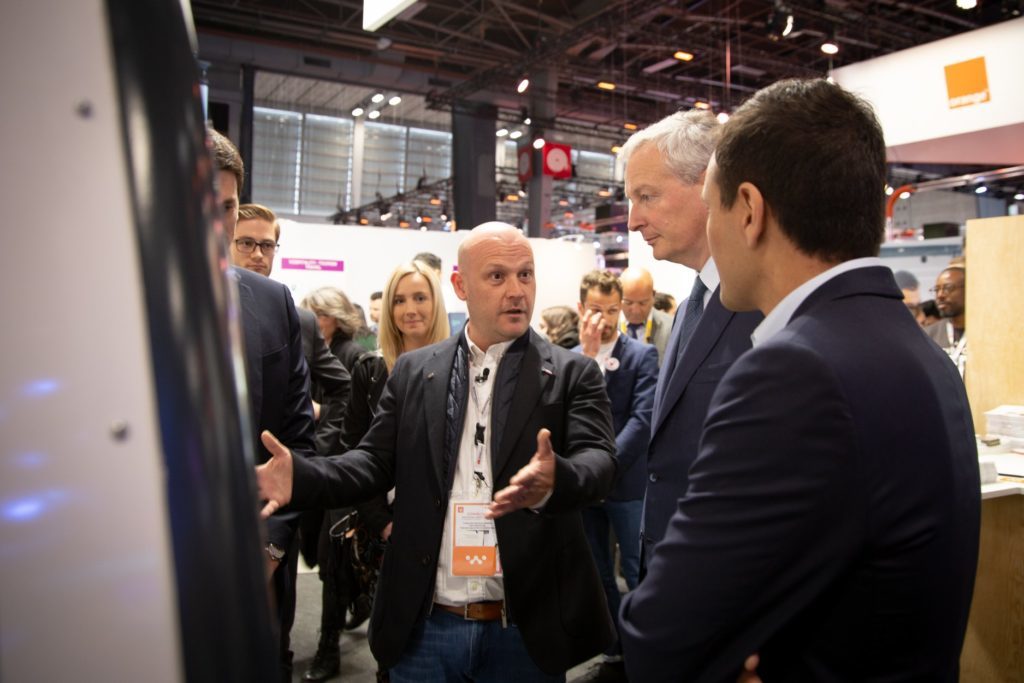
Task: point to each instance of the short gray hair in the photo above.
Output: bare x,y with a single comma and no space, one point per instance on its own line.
686,140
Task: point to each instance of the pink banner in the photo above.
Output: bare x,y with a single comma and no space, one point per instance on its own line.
312,264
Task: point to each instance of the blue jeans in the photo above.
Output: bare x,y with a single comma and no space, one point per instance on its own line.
622,517
446,648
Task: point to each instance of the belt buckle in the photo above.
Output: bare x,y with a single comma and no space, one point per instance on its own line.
465,613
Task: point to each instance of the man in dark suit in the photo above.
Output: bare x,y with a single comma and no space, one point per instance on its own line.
665,166
278,386
494,440
630,370
833,536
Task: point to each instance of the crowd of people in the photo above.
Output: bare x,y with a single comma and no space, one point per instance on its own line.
735,463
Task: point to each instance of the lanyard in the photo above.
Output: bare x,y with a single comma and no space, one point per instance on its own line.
624,328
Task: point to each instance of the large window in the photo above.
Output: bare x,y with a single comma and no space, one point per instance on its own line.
277,159
383,160
325,182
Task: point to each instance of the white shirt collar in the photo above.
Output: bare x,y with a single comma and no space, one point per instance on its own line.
709,276
779,317
478,355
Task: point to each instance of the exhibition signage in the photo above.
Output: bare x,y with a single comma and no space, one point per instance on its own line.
312,264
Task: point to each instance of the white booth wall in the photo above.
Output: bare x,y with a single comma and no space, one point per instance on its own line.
358,260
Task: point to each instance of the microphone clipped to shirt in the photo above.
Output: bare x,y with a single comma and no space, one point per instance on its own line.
482,377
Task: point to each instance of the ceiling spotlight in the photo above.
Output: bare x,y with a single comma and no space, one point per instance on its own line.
375,114
888,190
523,84
683,56
527,121
606,85
904,195
378,98
512,197
539,143
980,189
563,201
722,117
966,4
780,21
395,101
604,192
629,126
699,104
616,149
385,216
1019,197
830,46
502,132
515,135
358,111
435,200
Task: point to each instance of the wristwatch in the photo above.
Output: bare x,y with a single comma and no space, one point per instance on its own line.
276,554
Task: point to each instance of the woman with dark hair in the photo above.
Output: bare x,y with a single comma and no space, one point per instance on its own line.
561,325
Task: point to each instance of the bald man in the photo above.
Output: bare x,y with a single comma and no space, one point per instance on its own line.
640,320
494,440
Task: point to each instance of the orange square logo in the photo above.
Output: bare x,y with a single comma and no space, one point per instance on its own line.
967,83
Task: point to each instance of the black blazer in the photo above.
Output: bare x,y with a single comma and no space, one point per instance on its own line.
329,384
278,379
826,526
681,404
551,586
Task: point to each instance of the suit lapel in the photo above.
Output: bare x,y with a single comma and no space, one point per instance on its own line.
436,377
253,349
712,323
519,389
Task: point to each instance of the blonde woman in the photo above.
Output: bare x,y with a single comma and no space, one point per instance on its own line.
412,316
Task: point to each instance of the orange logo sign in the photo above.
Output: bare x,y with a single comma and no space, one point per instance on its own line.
967,83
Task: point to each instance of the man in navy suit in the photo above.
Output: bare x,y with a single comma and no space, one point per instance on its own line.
833,536
665,165
630,370
278,385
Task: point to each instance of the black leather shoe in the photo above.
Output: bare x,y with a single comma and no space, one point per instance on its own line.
360,612
327,660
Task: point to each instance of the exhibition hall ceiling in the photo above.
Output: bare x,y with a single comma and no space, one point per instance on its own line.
480,49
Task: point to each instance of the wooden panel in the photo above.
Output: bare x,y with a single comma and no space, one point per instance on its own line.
995,314
994,647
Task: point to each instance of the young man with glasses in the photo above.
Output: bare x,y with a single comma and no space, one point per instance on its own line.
255,240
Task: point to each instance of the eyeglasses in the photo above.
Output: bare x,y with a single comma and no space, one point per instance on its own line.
945,289
247,244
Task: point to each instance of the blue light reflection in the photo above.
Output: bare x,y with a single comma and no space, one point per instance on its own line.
40,387
29,508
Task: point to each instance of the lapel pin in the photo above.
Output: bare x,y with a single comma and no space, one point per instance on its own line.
430,375
611,364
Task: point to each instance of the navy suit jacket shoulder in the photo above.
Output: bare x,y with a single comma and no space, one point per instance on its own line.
630,384
823,528
277,377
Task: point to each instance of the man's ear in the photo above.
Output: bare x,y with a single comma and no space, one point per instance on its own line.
750,201
458,285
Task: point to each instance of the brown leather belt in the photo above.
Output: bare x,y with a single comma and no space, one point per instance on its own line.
477,611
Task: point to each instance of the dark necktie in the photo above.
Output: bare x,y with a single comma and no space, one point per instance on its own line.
681,332
691,316
634,330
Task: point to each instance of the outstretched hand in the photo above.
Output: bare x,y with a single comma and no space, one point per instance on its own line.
274,477
530,485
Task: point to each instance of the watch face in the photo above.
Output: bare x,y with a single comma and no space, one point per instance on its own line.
275,553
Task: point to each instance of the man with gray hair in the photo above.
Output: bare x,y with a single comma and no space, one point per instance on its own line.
665,167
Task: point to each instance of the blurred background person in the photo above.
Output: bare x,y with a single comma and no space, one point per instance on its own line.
561,325
412,316
665,302
339,322
375,305
950,333
640,319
